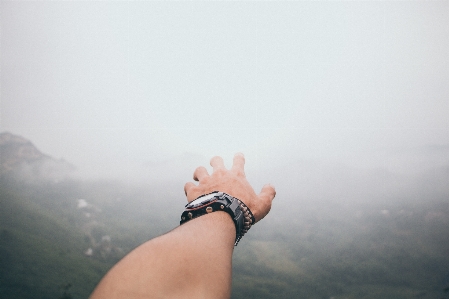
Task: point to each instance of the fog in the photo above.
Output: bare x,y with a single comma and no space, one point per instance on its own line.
342,105
335,97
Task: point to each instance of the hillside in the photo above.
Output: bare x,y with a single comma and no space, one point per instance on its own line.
40,252
71,232
59,237
58,234
366,251
19,158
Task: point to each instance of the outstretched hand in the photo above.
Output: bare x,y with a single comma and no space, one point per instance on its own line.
232,182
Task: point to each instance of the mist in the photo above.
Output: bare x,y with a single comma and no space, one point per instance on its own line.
343,106
113,86
335,101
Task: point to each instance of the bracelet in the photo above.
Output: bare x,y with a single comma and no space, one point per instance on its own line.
249,220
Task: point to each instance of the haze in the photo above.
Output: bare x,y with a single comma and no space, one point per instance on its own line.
116,87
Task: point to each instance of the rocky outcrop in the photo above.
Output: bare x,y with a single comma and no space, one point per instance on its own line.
19,158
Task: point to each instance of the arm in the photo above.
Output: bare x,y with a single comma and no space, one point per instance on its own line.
195,259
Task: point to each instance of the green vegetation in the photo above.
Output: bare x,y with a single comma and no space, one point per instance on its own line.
395,249
362,251
40,253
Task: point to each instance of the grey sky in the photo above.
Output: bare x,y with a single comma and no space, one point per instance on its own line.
364,83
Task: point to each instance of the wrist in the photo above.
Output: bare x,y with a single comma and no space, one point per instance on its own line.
221,202
213,231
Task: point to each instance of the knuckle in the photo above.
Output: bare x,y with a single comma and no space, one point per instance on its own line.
239,172
220,172
205,180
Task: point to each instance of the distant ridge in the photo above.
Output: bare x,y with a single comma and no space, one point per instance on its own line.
21,159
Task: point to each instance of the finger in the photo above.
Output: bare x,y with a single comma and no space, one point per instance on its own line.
266,197
217,163
239,164
267,193
189,189
200,173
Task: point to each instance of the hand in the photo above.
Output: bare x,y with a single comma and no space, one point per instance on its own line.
232,182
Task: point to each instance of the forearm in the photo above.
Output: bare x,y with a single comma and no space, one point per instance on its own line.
192,261
195,259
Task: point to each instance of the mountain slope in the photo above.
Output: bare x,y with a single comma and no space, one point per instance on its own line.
59,235
382,246
20,158
39,253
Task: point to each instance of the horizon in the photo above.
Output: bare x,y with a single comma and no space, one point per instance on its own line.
312,182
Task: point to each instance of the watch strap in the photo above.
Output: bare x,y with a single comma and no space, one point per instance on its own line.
241,215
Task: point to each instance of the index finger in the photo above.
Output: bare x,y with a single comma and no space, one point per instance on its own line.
217,163
238,164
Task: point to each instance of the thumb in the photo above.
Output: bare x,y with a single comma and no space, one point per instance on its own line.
268,192
265,196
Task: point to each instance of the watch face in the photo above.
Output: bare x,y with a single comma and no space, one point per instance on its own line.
201,201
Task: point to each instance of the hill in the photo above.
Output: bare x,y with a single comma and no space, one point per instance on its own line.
19,158
40,252
58,237
70,233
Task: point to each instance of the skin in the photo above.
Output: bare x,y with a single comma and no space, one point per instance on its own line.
195,259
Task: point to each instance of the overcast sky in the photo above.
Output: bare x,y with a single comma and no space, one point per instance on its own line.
106,84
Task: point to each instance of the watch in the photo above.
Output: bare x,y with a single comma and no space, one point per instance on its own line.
220,201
